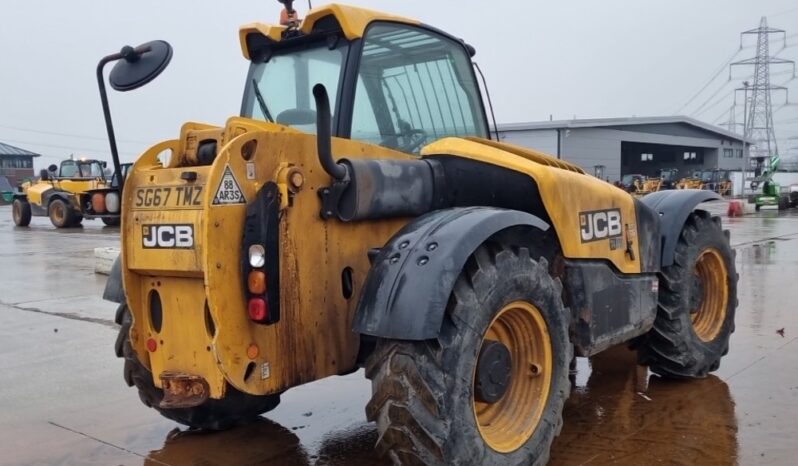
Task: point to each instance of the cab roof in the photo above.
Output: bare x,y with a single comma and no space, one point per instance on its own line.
352,20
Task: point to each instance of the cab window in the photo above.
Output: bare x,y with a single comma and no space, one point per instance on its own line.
280,88
69,169
414,86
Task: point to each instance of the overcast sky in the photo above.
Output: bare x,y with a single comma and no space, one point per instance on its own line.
582,58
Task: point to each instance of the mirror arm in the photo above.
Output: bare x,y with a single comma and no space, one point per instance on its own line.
109,125
130,54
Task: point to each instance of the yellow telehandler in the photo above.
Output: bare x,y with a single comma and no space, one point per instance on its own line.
359,213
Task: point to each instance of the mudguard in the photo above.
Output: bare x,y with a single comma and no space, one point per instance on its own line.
408,287
673,208
114,291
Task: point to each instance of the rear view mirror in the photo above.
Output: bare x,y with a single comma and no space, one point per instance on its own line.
139,66
134,68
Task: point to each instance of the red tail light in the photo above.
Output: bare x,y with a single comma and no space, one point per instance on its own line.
258,310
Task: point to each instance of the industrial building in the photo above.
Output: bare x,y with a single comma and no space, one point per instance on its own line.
16,164
613,147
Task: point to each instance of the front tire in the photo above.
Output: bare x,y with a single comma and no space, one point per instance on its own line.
214,414
61,215
111,221
20,211
427,402
697,302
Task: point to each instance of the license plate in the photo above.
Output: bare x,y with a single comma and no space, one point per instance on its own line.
168,198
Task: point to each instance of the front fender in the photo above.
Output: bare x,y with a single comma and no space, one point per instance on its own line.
673,208
408,287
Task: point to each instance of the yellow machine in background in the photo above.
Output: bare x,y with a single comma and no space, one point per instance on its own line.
716,180
666,180
358,214
694,181
60,193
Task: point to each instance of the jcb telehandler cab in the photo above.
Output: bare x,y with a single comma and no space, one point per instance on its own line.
358,214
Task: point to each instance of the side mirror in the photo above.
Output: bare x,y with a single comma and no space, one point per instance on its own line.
138,66
135,67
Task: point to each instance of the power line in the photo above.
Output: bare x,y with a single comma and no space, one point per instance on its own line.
781,13
711,80
714,104
68,135
66,148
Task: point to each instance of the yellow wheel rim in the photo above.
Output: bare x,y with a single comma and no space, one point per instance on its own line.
16,212
510,422
58,213
710,315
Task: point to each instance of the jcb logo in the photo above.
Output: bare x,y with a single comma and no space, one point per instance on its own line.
600,224
167,236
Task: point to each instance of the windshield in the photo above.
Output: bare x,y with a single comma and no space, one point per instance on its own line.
81,169
280,89
414,87
706,176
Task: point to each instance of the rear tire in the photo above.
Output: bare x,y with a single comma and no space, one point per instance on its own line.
21,212
697,302
424,395
214,414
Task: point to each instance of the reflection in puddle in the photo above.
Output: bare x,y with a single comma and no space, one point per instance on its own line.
759,253
617,413
623,415
259,442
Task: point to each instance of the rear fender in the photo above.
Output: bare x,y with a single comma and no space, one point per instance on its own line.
408,287
673,208
114,291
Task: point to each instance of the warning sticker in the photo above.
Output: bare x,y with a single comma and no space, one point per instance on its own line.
229,191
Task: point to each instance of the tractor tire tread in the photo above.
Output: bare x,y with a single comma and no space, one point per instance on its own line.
412,380
671,348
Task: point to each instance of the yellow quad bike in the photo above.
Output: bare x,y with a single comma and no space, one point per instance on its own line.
61,194
359,214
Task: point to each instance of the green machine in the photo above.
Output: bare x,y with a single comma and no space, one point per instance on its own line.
771,196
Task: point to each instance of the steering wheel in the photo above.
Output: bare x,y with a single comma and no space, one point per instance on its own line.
412,138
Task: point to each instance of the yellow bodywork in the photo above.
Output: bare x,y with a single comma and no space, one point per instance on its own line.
690,183
206,330
565,193
312,339
35,191
353,20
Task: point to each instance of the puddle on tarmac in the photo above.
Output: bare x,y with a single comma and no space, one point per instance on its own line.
618,413
621,414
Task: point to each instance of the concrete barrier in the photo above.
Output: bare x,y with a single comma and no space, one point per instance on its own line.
104,259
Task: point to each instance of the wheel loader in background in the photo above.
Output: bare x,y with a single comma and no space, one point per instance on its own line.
64,194
359,214
716,180
665,180
695,180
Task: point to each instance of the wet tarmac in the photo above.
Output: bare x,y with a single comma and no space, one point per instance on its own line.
63,400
